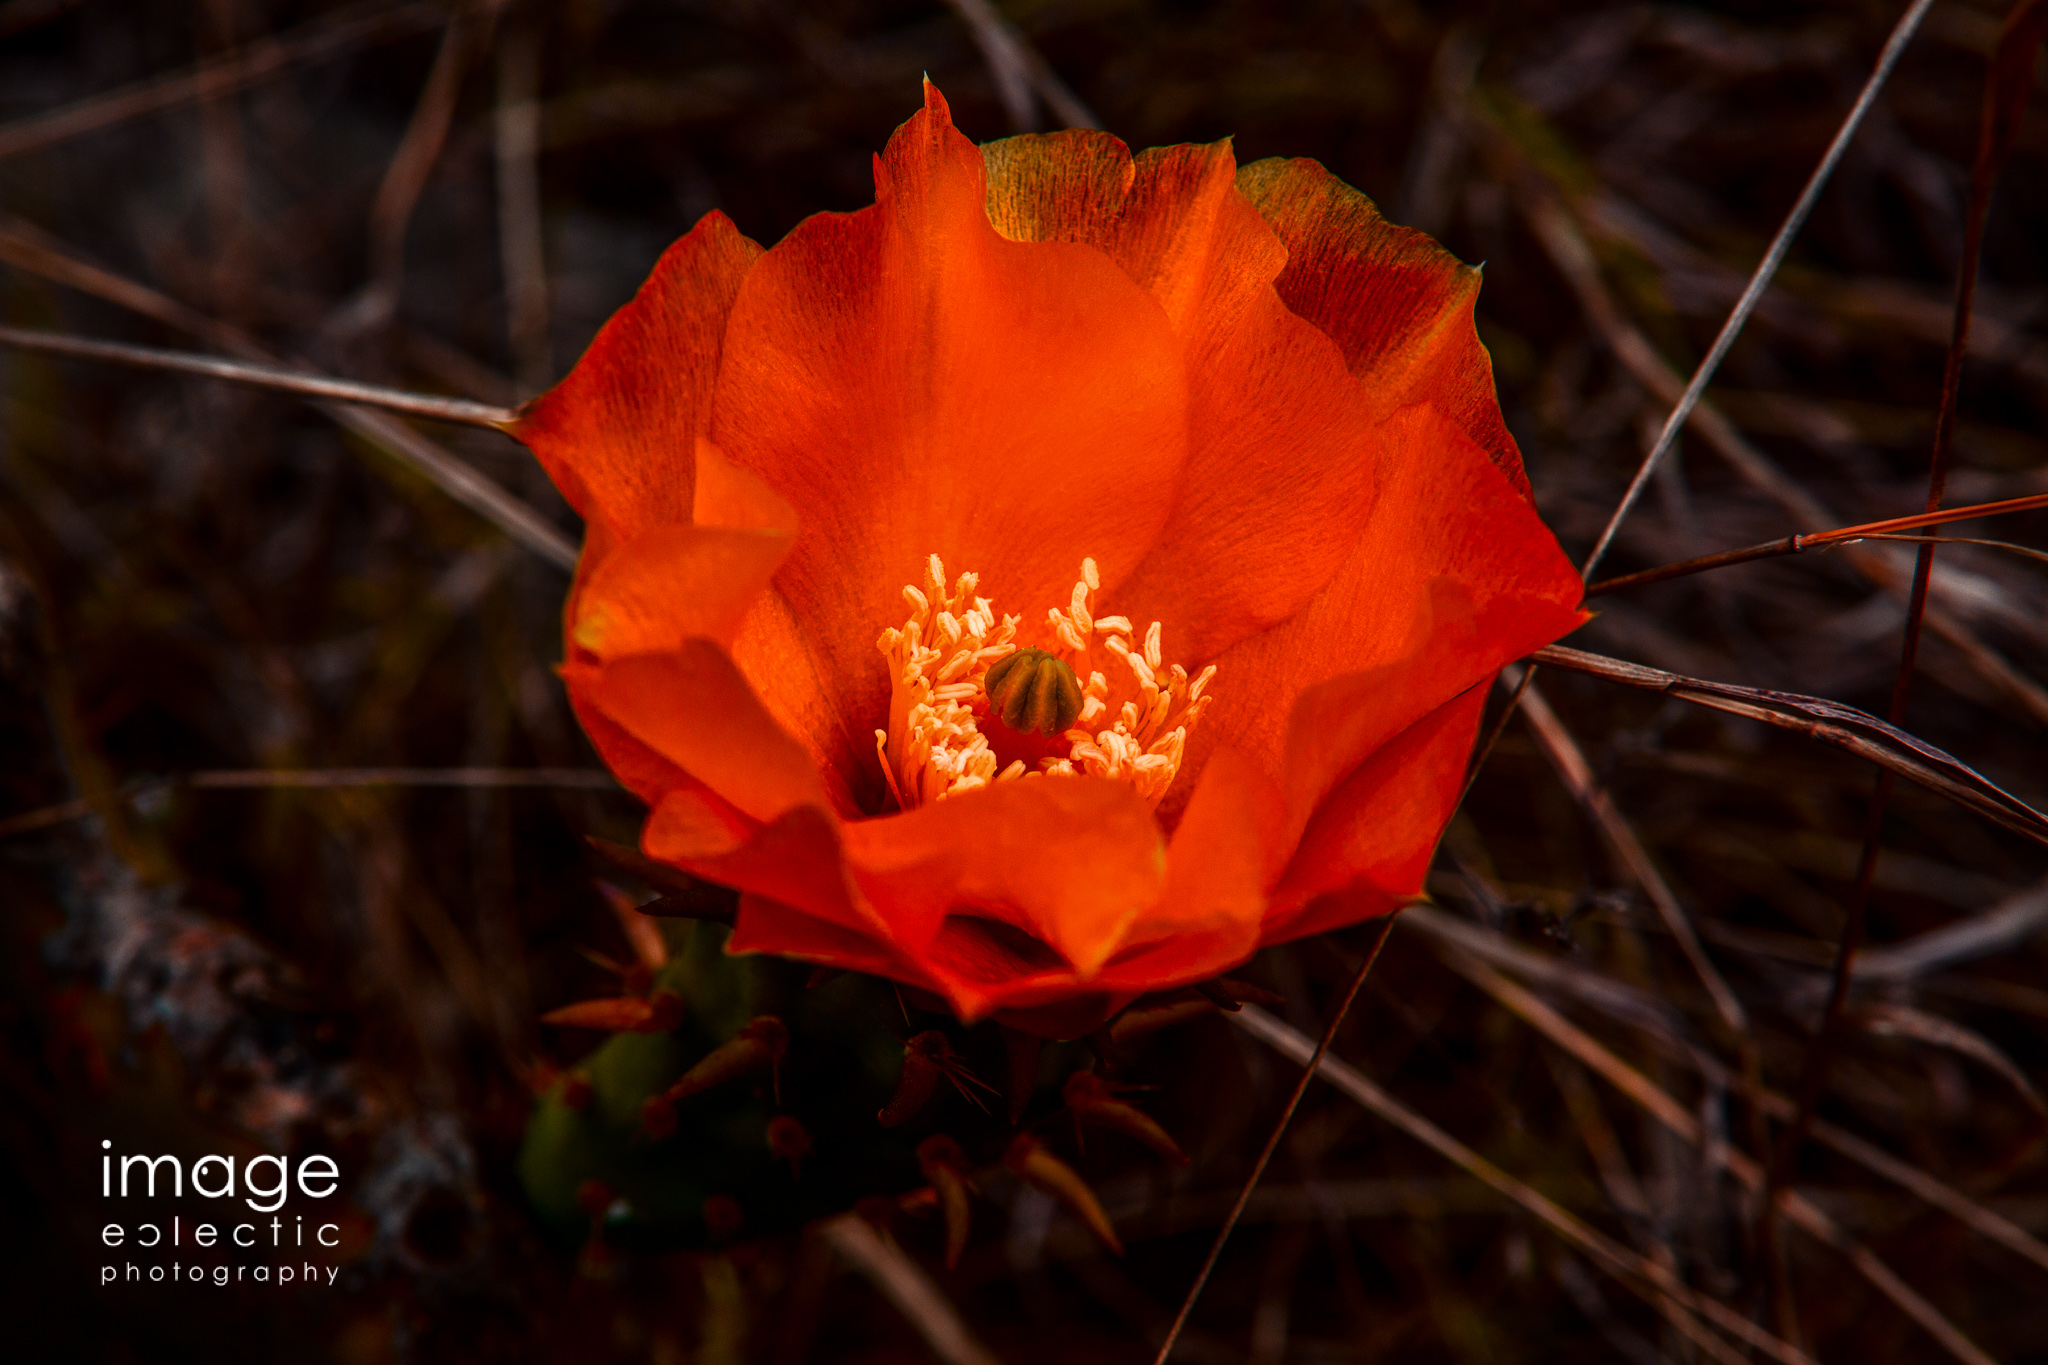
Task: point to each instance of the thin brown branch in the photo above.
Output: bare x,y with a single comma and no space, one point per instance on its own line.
32,252
459,410
461,481
328,36
2003,926
1577,774
406,177
1668,1111
1568,250
322,779
1682,1305
2026,551
1760,279
245,779
516,129
1004,57
906,1286
1012,58
1831,723
1322,1047
1683,403
1620,1003
1484,749
2005,98
224,173
27,247
1817,540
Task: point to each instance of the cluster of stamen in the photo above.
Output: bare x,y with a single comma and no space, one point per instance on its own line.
1136,710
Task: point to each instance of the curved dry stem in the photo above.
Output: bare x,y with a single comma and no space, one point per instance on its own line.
273,377
1820,540
1577,775
1895,752
320,779
900,1280
1568,250
1682,1305
1622,1003
1322,1047
1760,279
327,36
1654,1101
27,250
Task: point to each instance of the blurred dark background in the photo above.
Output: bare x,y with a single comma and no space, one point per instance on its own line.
198,580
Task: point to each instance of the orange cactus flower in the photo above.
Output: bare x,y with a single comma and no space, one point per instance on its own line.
1053,582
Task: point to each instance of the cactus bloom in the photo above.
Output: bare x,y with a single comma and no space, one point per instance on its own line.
1210,454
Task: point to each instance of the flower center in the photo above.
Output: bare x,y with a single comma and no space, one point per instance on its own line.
1078,699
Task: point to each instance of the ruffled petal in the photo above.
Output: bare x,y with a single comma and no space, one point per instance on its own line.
670,585
617,434
770,645
708,582
1282,446
912,383
1369,844
1397,305
1197,955
773,651
794,865
639,769
1224,855
768,926
1043,874
1452,575
1058,912
691,706
1015,894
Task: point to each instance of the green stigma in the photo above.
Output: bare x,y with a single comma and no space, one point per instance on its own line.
1032,691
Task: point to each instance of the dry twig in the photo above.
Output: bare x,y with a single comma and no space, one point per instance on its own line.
1682,1305
331,34
451,474
921,1302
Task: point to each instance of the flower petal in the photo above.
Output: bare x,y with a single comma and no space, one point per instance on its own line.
693,707
1223,857
673,584
1281,442
768,926
1449,571
1370,844
617,434
1452,575
1014,894
618,437
1397,305
912,383
772,650
1050,870
1058,187
769,644
793,865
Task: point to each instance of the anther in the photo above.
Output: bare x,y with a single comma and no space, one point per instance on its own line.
1033,691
